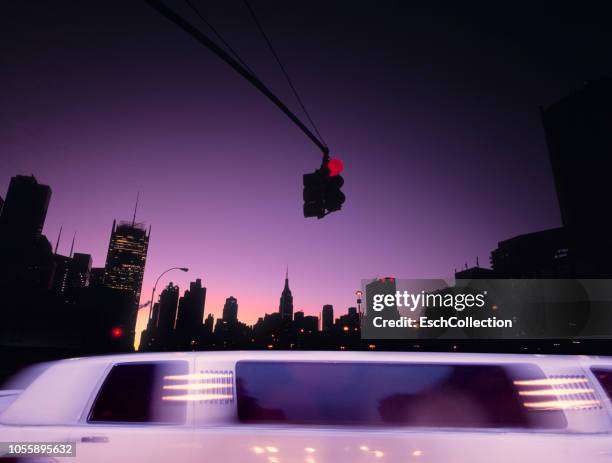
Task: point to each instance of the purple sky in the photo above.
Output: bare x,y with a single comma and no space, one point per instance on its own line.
434,112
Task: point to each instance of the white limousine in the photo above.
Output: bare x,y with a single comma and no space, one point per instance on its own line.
315,407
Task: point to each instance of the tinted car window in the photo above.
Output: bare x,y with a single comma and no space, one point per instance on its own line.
134,392
377,394
604,376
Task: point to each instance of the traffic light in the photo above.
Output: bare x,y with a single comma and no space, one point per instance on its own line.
322,193
314,205
334,198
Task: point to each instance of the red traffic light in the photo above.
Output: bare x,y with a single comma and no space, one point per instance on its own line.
117,332
335,166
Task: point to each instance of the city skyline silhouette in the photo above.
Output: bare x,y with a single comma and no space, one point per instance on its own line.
219,169
439,129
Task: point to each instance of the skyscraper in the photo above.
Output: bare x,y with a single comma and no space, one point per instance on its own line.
79,271
285,306
126,258
206,331
328,317
26,256
166,314
60,275
579,136
190,314
71,272
25,208
96,277
542,254
384,286
230,310
310,324
349,322
125,265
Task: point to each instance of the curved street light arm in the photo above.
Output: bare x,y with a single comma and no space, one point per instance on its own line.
184,269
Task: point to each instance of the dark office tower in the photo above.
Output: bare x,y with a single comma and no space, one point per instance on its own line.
311,324
148,337
207,327
79,270
349,322
71,272
190,314
25,208
285,307
127,254
26,256
328,317
60,275
384,286
166,316
543,254
579,136
154,315
96,277
230,310
159,334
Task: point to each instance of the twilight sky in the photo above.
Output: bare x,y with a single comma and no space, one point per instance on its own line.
434,110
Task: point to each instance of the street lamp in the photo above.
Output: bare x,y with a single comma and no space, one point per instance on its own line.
182,269
359,293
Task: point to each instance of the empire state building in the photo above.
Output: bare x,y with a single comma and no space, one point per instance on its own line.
286,301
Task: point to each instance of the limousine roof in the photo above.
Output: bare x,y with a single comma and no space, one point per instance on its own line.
352,356
61,393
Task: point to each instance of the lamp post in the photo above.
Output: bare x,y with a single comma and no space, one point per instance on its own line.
359,293
182,269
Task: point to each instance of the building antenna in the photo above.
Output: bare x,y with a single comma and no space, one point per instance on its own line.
135,209
59,235
72,245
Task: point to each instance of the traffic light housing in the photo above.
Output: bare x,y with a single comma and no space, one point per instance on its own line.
314,200
322,194
334,198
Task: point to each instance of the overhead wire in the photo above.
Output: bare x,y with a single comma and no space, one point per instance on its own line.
284,71
219,36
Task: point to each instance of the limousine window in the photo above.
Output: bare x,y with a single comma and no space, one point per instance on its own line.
135,393
604,376
387,394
